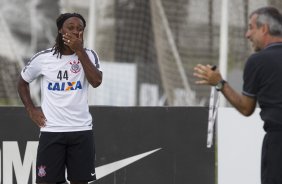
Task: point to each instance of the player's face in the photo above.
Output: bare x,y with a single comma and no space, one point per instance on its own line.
255,34
73,25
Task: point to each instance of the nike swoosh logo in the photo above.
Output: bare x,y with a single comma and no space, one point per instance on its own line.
107,169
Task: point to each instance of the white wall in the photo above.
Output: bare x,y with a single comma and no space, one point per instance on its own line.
118,87
239,147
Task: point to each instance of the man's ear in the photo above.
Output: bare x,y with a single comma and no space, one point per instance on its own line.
265,28
80,35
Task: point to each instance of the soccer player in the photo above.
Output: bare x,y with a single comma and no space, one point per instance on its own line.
66,138
262,83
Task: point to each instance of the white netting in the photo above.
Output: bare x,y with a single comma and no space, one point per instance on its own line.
165,39
149,47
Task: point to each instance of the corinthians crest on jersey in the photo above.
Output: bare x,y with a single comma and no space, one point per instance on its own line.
75,66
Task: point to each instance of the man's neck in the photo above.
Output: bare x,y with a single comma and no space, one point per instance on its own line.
272,40
67,51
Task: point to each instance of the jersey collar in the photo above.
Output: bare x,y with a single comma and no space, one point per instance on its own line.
273,44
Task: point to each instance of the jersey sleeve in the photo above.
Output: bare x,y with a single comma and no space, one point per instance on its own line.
33,69
251,79
93,56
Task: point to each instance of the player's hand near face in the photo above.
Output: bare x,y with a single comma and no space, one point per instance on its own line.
74,41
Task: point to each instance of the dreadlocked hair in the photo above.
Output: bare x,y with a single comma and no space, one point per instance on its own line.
59,45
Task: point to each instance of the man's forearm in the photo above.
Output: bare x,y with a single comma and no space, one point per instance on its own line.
24,93
245,105
93,75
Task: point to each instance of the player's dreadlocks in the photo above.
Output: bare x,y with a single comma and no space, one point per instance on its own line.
59,45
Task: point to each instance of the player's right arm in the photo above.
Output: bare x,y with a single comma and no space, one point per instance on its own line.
34,113
30,72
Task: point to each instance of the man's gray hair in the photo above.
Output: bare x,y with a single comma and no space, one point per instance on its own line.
270,16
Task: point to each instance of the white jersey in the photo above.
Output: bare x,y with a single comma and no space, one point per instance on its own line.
64,90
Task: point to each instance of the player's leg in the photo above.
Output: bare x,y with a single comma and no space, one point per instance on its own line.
50,164
81,157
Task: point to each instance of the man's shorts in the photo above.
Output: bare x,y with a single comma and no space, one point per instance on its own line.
58,151
271,160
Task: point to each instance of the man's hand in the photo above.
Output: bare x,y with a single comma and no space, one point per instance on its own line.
75,43
206,75
37,117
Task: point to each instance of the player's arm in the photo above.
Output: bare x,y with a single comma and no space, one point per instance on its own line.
93,75
244,104
34,113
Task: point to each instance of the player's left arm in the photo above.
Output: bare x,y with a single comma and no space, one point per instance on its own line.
93,75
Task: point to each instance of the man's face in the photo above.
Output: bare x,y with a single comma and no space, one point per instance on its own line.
255,34
73,26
